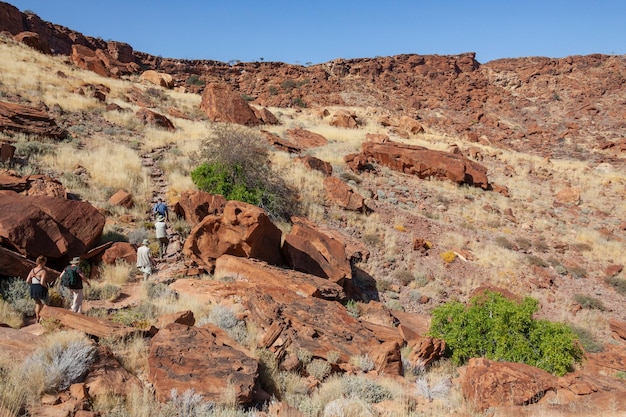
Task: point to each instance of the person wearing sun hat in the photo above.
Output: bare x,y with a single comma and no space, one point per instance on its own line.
161,234
76,288
144,259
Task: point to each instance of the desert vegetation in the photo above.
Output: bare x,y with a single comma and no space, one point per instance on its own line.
553,255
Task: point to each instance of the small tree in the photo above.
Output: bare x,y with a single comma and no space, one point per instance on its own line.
234,162
496,328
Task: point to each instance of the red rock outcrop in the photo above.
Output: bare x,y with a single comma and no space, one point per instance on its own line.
194,206
259,274
107,376
24,119
425,163
122,198
151,118
54,227
86,324
243,230
488,383
316,164
343,195
99,61
222,104
209,354
310,250
157,78
305,139
280,143
120,251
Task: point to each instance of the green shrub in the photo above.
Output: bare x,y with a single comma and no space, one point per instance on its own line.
234,162
496,328
587,301
194,80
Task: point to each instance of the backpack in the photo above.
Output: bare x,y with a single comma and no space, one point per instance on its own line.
160,208
71,279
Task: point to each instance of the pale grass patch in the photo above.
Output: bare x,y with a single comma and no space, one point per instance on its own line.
118,273
10,316
13,394
109,165
491,255
177,183
125,119
309,183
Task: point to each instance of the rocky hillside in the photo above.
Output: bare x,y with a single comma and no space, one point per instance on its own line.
421,180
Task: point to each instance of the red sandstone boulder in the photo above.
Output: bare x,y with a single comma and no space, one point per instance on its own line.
120,251
243,230
6,152
54,227
266,116
33,40
288,322
107,376
488,384
426,163
568,196
316,164
122,198
280,143
222,104
24,119
100,62
181,317
424,351
194,206
344,119
259,274
310,250
150,118
203,359
305,139
343,195
157,78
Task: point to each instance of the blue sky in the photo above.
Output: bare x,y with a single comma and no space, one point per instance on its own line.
304,31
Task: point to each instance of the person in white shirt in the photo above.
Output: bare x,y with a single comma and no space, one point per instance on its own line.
144,259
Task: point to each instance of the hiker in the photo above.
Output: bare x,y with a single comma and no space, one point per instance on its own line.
144,259
38,280
72,278
160,208
161,234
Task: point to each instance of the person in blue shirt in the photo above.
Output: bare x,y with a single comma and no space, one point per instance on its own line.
160,208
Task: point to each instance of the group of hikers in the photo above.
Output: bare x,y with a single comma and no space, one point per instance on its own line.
72,277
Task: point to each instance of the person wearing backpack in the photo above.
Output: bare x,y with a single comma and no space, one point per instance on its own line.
160,208
72,278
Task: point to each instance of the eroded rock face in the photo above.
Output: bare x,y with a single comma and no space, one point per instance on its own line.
425,163
243,230
149,117
204,359
306,139
49,226
310,250
221,104
343,195
157,78
194,206
24,119
260,274
487,383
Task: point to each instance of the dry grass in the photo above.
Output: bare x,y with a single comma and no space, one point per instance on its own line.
9,316
118,273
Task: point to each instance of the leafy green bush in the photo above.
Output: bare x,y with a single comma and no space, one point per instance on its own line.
234,162
496,328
